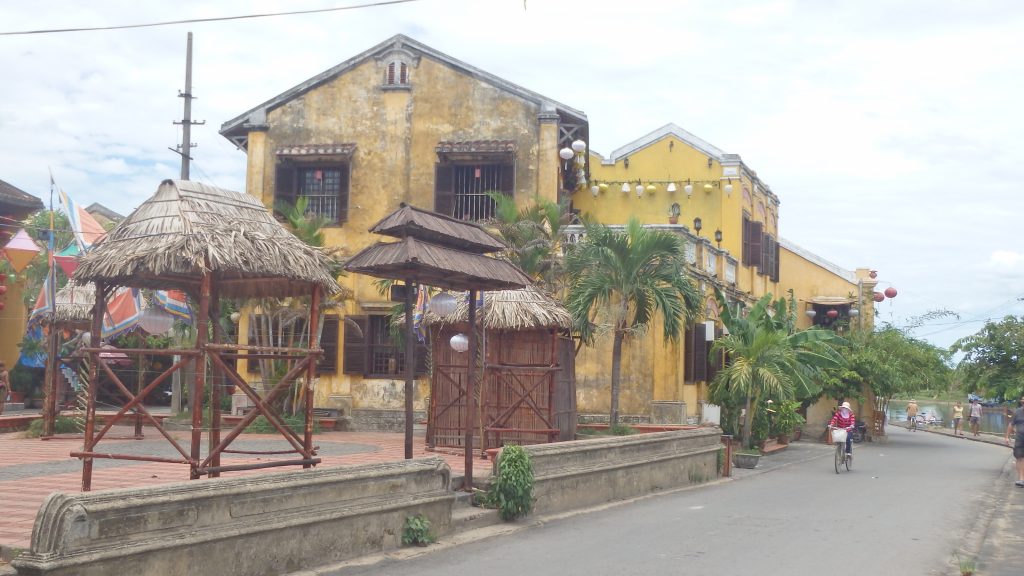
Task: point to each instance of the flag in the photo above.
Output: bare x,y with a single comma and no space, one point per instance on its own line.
175,303
85,228
123,312
67,259
34,340
44,303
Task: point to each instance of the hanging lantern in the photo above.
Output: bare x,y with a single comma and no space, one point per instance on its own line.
639,190
459,342
671,187
155,321
625,187
604,186
595,190
2,305
811,314
832,313
651,189
442,304
708,188
890,292
728,188
578,146
688,189
565,153
21,250
3,289
854,312
878,296
235,317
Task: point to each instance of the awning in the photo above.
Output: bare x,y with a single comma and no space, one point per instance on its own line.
832,300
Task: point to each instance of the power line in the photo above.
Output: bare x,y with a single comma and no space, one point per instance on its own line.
216,19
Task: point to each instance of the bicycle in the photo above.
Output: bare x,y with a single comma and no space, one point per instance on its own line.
912,426
841,457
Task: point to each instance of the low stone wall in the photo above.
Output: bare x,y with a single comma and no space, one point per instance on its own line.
249,526
582,473
366,420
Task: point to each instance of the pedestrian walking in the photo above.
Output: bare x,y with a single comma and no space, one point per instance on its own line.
958,416
976,417
1016,425
5,386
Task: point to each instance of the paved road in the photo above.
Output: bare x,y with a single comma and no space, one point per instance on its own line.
904,509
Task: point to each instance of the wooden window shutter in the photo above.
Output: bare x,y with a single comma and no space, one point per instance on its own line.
284,184
403,77
688,355
422,351
775,262
507,179
343,193
354,360
444,189
756,242
391,74
746,241
329,342
700,353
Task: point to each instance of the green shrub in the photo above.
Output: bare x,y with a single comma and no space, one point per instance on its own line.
61,425
622,430
416,531
512,491
297,423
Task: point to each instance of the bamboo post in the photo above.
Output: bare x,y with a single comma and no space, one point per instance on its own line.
218,382
410,365
467,484
96,342
202,328
314,342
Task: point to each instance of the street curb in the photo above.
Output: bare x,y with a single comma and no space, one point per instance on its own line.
977,534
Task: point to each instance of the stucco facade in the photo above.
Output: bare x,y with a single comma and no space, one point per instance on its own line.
400,122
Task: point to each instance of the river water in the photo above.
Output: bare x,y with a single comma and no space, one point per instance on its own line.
993,420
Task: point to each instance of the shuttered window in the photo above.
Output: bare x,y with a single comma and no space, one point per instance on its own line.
370,351
461,190
328,341
324,186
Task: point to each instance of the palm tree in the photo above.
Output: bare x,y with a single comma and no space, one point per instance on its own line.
533,234
767,358
626,278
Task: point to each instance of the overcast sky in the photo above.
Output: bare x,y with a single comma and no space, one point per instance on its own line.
891,130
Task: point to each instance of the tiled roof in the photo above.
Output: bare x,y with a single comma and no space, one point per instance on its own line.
13,196
345,149
449,147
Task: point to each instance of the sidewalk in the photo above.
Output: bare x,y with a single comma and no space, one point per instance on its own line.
31,468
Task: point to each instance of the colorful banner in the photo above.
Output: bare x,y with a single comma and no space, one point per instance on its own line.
44,303
85,228
123,312
175,303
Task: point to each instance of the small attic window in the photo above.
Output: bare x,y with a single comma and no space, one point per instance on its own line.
397,74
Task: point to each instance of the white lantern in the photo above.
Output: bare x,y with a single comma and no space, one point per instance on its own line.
625,187
459,342
811,314
442,304
854,312
639,190
155,321
579,146
235,316
728,188
565,153
688,189
671,187
651,188
595,190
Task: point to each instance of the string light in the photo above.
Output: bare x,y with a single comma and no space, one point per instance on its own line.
651,186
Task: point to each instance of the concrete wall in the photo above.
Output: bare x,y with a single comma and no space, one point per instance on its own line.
260,524
583,473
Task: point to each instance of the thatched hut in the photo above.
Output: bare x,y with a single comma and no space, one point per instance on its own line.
528,394
210,243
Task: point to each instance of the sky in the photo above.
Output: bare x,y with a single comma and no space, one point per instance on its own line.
889,129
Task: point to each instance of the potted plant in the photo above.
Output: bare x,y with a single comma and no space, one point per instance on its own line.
786,420
673,213
746,458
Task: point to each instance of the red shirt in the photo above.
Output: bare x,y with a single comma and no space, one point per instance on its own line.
843,418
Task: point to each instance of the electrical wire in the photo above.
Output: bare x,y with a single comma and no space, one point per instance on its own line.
214,19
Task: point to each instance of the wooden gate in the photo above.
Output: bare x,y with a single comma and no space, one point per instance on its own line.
526,395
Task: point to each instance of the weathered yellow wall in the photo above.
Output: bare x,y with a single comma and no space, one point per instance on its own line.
808,280
396,133
12,323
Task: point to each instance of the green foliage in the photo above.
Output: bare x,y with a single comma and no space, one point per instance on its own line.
61,425
993,362
786,418
621,281
768,360
621,430
297,423
416,531
533,234
512,491
24,379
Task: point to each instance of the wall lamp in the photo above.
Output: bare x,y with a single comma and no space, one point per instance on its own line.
625,162
718,238
697,225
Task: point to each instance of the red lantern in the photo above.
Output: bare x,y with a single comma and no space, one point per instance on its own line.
2,305
873,274
878,297
890,292
3,289
832,313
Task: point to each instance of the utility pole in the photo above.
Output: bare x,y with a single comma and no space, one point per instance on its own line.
185,148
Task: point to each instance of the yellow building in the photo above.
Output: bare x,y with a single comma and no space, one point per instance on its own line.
400,122
15,206
673,180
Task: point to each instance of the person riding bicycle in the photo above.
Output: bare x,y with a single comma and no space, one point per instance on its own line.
844,419
912,414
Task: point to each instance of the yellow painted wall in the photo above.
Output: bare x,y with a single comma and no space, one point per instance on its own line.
12,323
808,280
396,133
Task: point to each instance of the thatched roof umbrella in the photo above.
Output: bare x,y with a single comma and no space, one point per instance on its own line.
73,306
510,310
188,229
210,243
